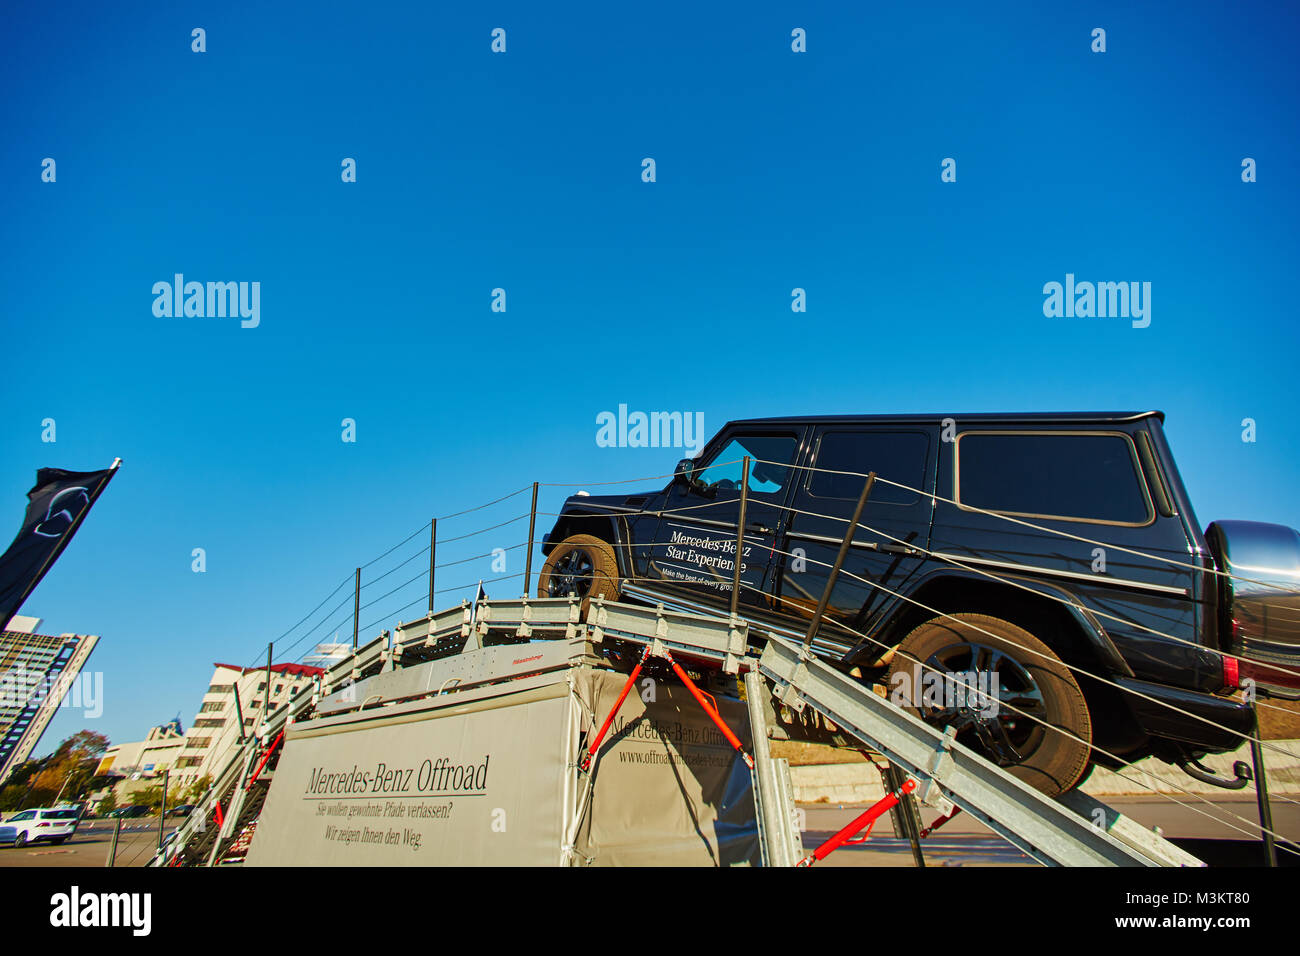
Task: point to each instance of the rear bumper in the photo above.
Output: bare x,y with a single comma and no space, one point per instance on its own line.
1282,681
1158,720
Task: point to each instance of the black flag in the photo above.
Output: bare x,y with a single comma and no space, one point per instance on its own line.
55,510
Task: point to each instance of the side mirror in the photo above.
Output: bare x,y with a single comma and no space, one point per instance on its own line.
685,473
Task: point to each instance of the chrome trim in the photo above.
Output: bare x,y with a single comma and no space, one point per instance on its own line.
1075,575
730,525
823,539
616,509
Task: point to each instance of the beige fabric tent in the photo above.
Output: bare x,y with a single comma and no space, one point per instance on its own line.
488,777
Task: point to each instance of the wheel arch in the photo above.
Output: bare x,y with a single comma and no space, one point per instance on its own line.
598,525
581,522
1054,615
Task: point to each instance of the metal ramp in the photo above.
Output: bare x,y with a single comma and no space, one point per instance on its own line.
474,645
1073,831
1053,832
238,790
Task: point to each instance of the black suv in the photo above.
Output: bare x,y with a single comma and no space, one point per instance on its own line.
1002,544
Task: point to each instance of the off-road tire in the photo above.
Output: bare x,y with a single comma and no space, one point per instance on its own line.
1056,747
597,555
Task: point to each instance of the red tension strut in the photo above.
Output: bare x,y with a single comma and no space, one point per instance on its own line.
698,694
265,757
869,817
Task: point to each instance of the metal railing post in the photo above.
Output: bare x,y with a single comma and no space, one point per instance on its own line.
112,849
433,552
162,812
839,561
1261,795
740,536
239,714
356,610
532,527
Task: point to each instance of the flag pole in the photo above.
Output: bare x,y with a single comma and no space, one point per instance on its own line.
63,541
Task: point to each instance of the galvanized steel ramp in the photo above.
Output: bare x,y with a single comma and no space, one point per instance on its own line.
1043,829
1074,831
476,646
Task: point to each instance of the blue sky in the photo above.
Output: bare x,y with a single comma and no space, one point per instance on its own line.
522,171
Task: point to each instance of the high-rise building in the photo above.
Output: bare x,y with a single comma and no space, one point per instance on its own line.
233,692
36,672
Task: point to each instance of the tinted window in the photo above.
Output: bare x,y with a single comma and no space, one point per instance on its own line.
897,456
763,477
58,814
1080,477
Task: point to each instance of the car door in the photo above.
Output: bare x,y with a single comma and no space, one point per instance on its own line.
895,524
695,544
1090,483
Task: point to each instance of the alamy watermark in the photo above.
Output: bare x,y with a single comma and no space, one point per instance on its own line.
1102,300
968,690
74,908
22,687
650,430
212,300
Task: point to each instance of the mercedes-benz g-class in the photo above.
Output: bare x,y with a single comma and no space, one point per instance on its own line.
1056,553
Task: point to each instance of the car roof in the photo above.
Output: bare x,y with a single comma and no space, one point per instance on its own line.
963,417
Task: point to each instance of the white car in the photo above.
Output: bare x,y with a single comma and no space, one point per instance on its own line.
32,825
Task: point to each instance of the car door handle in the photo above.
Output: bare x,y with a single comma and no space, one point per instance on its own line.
897,548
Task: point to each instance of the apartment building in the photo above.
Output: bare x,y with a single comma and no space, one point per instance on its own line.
233,693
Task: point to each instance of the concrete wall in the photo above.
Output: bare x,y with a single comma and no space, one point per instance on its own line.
860,782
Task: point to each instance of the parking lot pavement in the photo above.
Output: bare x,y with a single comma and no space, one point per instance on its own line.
964,841
89,846
961,842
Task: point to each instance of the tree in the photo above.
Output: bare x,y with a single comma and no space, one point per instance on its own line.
20,786
194,793
72,766
147,797
69,769
83,745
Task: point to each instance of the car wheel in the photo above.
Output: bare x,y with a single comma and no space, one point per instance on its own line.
583,565
20,839
1026,712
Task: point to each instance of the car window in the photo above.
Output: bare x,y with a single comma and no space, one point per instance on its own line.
58,814
768,472
896,456
25,815
1074,477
